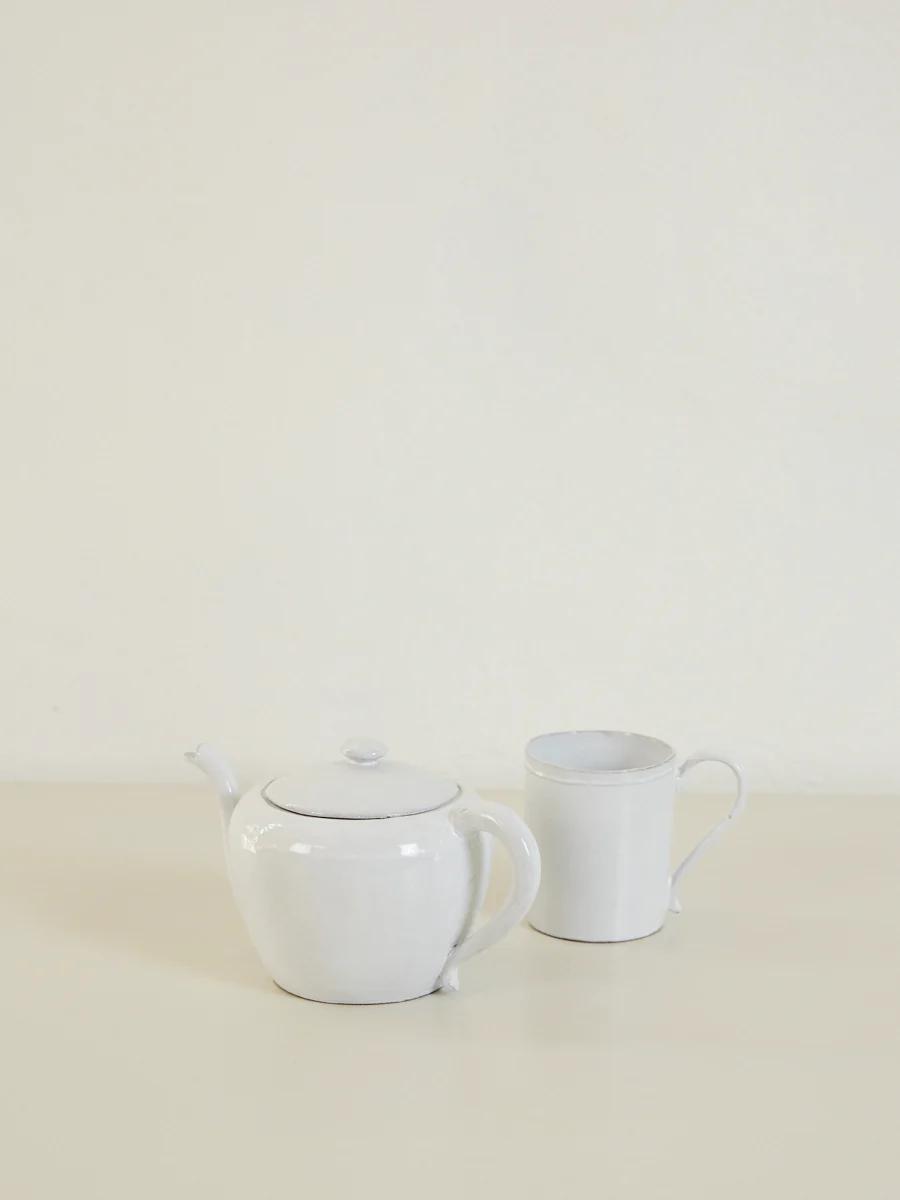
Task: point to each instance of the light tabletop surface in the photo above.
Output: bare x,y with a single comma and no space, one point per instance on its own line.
750,1049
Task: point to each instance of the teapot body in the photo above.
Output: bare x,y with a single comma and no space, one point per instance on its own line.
356,911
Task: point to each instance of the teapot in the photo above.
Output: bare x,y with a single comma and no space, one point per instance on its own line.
360,881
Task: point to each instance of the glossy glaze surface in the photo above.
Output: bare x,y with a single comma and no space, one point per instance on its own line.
355,911
367,910
601,806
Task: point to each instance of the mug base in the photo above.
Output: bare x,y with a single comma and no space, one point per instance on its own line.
596,941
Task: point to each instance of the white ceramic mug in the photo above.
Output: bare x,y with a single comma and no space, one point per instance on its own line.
601,807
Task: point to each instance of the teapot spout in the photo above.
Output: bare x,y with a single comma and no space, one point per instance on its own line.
221,774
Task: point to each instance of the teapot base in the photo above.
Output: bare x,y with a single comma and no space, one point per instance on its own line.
362,1000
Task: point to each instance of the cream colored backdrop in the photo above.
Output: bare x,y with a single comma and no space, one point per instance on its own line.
449,373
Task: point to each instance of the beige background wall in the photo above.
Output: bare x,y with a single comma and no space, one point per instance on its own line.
449,373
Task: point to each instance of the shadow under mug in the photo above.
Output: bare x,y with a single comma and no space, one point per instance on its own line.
601,806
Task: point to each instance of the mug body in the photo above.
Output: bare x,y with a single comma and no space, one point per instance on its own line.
601,807
354,911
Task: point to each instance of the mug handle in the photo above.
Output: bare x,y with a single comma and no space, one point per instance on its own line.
503,824
717,830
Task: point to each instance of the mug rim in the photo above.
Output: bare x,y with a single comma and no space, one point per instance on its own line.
661,756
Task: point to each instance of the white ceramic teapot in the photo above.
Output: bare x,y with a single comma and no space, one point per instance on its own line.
360,881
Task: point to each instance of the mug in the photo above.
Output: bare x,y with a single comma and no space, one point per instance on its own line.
601,807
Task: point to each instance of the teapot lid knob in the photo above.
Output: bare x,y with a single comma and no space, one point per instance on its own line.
365,752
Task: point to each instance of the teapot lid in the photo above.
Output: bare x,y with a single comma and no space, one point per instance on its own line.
363,785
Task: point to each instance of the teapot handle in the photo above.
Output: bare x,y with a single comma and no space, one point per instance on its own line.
481,816
717,830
